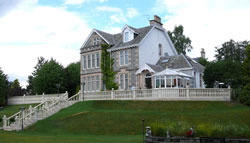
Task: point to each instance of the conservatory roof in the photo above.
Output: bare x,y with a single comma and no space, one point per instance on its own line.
171,72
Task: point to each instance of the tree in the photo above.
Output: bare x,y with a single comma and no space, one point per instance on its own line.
245,95
29,88
107,68
73,78
180,41
15,89
3,88
50,74
232,51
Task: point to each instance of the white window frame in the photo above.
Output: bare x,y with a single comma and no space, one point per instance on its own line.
97,60
89,61
97,79
93,60
96,41
121,81
84,62
121,57
126,57
126,36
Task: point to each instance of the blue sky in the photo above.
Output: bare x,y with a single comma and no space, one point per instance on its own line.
58,28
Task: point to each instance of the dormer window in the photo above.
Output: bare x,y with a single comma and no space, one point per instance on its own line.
96,41
126,36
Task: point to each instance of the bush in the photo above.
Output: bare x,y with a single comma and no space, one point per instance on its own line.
179,128
245,97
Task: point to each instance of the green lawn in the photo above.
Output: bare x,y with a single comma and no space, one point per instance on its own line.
120,121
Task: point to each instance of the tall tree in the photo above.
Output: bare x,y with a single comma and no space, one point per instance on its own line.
232,51
40,62
15,89
73,77
49,77
180,41
3,88
245,97
107,68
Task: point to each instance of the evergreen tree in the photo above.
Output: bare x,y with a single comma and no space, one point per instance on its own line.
107,68
180,41
3,88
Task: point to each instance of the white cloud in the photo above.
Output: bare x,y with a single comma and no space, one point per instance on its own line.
109,9
112,30
32,31
208,23
101,1
132,12
74,2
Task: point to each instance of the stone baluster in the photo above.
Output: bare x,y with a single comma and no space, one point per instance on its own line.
4,122
112,94
17,123
30,111
35,114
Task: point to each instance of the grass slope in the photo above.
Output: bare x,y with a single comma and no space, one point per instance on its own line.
120,121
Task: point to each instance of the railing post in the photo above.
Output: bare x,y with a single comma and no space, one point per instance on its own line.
80,95
23,98
30,110
17,127
112,94
133,93
43,97
187,92
4,122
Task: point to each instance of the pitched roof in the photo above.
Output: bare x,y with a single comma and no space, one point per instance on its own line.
138,38
107,36
178,62
195,64
116,40
156,68
173,62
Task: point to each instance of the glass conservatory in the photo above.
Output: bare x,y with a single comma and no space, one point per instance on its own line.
169,78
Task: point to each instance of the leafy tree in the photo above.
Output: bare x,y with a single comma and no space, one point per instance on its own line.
245,97
50,74
107,68
232,51
180,41
73,78
16,89
3,88
203,62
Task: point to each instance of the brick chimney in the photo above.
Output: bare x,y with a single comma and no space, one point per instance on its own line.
203,53
156,21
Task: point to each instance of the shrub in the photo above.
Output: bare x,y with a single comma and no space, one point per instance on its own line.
245,97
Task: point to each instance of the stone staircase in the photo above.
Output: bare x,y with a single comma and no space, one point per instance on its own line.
27,117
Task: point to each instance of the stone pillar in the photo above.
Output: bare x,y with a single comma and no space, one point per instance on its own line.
112,94
187,90
35,114
80,95
4,122
133,93
17,121
30,110
43,97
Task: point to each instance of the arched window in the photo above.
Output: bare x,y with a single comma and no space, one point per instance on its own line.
160,50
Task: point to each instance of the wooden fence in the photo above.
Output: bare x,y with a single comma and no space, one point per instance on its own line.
202,94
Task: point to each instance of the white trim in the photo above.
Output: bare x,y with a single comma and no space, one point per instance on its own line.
123,47
93,30
187,60
145,67
126,26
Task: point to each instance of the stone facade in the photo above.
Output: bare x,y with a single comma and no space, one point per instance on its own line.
130,68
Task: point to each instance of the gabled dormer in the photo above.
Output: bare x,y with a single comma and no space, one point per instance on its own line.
129,33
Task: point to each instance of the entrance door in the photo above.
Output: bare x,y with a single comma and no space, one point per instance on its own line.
148,81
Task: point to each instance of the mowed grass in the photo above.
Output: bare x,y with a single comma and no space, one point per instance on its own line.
120,121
